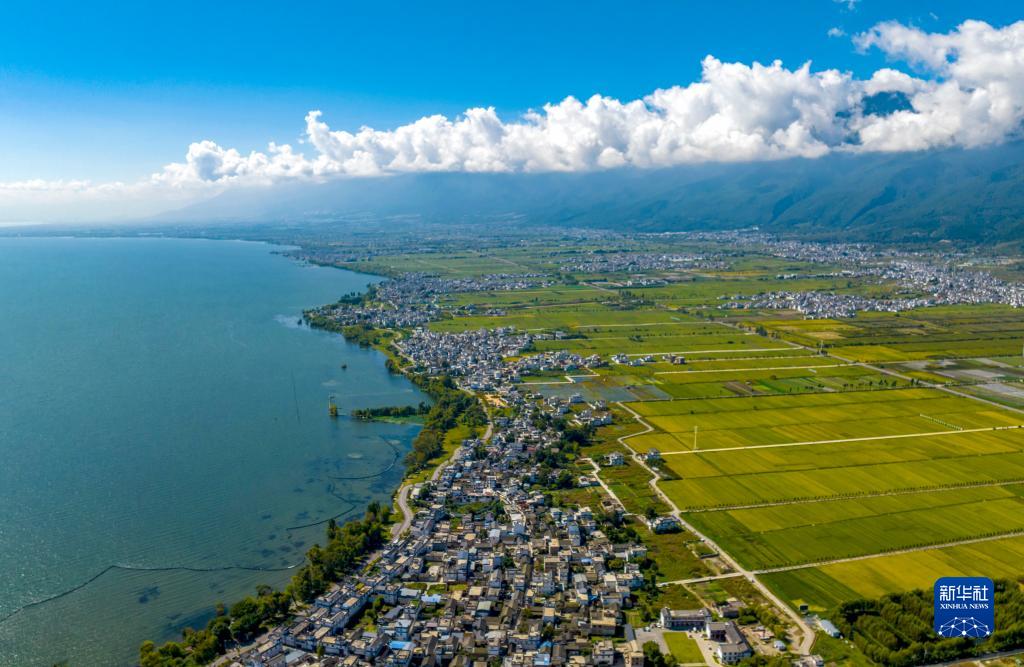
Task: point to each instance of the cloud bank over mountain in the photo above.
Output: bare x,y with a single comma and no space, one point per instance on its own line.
964,88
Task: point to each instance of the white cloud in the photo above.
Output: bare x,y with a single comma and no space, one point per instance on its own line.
735,112
206,162
967,90
976,95
836,31
41,185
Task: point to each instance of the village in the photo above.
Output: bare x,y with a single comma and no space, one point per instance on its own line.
927,283
486,567
917,280
410,300
485,570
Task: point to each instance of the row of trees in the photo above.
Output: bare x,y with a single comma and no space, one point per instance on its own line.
897,629
451,407
362,334
346,547
369,414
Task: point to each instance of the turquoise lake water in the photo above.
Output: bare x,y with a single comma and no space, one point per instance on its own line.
160,408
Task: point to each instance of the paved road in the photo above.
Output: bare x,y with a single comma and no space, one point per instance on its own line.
607,489
701,580
402,498
807,638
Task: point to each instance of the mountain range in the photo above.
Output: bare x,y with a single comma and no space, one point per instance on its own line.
974,196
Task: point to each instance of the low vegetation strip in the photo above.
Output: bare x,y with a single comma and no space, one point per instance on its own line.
897,629
452,407
346,547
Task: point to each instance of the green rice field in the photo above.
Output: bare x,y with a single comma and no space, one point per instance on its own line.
823,588
790,441
822,417
757,476
782,535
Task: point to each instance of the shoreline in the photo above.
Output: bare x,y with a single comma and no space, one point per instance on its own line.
399,515
261,255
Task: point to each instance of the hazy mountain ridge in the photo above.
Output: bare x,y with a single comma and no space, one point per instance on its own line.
971,195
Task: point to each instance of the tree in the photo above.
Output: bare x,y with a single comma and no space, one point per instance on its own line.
653,657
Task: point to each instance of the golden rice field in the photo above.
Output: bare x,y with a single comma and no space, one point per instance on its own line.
808,418
825,587
756,476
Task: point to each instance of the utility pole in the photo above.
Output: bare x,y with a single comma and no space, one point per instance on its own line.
694,437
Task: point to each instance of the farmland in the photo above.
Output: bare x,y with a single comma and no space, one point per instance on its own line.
836,458
825,587
800,444
774,536
728,477
630,483
557,316
928,333
808,418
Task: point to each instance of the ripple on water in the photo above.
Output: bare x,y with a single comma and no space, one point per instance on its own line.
191,429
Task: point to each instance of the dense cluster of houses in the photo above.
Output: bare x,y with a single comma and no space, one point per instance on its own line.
378,314
633,262
928,281
476,357
411,300
825,305
556,360
937,285
423,287
488,572
949,285
480,358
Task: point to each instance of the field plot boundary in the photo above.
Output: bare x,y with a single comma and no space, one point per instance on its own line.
894,552
641,324
723,479
840,441
787,536
846,397
857,496
850,559
752,368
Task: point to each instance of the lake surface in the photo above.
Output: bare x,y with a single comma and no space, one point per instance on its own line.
160,408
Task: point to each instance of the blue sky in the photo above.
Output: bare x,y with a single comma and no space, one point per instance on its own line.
106,91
